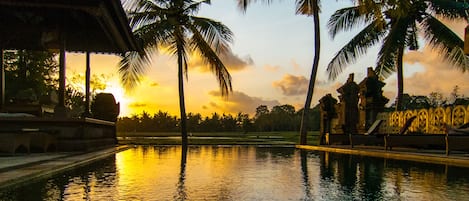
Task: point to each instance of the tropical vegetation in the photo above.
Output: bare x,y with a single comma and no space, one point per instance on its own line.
172,24
279,118
397,25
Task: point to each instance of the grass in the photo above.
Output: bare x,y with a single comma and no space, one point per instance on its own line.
217,138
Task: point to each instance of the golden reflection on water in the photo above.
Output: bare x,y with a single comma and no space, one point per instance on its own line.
249,173
214,173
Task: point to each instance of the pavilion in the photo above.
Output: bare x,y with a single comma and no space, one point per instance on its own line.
87,26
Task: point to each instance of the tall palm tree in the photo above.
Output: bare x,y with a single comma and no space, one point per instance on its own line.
171,24
397,23
309,8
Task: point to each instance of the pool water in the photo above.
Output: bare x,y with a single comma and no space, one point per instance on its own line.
248,173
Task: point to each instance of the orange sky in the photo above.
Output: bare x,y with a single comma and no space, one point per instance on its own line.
270,64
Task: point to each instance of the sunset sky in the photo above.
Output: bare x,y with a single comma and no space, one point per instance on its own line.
270,65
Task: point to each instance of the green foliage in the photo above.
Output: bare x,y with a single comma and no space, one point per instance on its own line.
36,70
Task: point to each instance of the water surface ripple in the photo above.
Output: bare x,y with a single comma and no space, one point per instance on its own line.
248,173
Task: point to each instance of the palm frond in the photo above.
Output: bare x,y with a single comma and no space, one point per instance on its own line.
452,9
388,54
139,19
155,33
307,7
355,48
210,57
372,6
446,42
458,58
243,4
411,38
347,18
132,66
194,7
217,35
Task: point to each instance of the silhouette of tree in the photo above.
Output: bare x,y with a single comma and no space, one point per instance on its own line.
172,24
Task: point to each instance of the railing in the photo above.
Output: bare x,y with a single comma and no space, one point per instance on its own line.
430,121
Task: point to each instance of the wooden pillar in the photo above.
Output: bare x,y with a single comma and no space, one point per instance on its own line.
87,86
2,82
466,41
60,110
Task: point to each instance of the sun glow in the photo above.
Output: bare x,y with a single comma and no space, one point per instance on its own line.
120,96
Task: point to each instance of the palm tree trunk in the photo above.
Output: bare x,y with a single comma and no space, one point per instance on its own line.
182,105
400,79
312,79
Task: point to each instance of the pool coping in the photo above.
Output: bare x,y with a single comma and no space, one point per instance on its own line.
27,172
408,154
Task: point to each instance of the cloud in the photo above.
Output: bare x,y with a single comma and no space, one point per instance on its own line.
436,76
232,62
292,85
270,68
138,105
295,65
238,102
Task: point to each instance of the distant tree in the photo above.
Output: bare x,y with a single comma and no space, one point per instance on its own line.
262,120
282,117
246,124
437,100
165,122
193,122
415,102
455,94
228,123
314,117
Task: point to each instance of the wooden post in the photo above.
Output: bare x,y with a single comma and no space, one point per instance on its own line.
60,110
466,41
2,82
87,85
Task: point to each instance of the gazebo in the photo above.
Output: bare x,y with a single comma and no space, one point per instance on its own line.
87,26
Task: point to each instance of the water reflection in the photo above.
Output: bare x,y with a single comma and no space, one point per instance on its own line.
248,173
304,174
181,189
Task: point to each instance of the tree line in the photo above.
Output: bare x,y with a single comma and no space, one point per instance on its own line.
279,118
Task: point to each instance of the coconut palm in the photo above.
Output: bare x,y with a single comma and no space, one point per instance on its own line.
309,8
397,24
171,24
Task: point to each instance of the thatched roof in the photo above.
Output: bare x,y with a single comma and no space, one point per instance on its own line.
79,25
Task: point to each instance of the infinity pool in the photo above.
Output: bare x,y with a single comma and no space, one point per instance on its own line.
248,173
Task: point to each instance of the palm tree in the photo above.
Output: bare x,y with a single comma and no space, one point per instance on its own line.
171,24
309,8
397,24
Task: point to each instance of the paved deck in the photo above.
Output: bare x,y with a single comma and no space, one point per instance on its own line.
16,169
460,159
